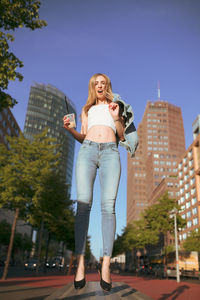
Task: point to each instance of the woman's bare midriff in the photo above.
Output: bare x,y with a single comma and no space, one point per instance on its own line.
101,134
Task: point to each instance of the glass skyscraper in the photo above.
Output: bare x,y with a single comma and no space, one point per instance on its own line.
46,108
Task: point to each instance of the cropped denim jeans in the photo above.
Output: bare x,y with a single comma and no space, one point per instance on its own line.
105,157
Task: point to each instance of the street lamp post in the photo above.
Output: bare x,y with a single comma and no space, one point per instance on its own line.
174,212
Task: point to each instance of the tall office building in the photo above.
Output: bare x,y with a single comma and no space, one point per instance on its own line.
161,144
46,108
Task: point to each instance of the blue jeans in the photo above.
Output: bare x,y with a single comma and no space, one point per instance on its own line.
105,157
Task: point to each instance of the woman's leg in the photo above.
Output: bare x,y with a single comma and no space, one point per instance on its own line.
109,173
85,175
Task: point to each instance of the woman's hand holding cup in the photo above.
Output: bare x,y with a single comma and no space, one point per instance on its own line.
69,121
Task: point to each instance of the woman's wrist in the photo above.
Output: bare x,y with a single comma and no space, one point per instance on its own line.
116,120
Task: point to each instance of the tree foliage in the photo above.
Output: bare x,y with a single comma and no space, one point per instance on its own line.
192,243
63,228
13,15
5,229
154,221
24,167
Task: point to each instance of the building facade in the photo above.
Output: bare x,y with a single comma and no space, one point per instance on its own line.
161,144
8,126
46,108
189,188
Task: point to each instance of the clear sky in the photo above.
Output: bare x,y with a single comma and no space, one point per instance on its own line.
135,42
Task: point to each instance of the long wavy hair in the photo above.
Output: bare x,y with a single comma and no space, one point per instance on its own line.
91,100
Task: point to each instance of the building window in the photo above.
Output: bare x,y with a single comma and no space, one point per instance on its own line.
187,195
182,207
180,182
192,171
186,186
194,200
188,214
180,174
193,191
194,211
190,153
189,224
190,162
188,204
156,155
184,236
183,216
192,181
195,221
182,199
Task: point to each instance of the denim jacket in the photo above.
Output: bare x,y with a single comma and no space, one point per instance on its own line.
130,133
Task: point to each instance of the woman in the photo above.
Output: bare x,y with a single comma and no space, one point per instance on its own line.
101,124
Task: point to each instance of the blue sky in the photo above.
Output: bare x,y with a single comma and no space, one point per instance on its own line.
135,42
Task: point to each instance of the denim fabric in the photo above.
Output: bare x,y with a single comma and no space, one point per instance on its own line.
130,133
105,157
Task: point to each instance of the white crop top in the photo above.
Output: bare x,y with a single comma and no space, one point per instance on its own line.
100,115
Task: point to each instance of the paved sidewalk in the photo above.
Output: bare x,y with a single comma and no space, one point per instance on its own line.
40,287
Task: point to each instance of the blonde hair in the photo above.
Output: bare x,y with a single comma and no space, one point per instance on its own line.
91,100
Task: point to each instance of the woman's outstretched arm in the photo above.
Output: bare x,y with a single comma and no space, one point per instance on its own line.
79,136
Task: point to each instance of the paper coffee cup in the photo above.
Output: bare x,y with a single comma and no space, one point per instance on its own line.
72,120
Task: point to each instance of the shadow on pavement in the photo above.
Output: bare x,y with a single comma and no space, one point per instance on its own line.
173,295
101,293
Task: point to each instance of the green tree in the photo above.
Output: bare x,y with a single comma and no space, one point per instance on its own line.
158,216
5,229
192,243
62,230
13,15
119,246
154,221
50,202
18,165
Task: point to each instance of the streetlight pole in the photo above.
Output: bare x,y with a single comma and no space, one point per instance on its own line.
176,246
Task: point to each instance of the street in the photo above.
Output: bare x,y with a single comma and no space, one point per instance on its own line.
55,285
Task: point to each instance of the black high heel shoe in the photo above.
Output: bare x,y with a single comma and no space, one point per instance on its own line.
106,286
79,284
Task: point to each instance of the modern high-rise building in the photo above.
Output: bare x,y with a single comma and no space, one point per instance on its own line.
46,108
161,144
